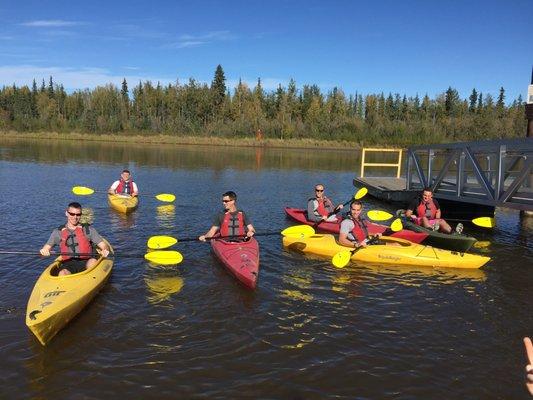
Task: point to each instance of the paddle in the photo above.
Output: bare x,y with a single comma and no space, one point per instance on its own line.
86,191
162,242
157,257
484,222
342,258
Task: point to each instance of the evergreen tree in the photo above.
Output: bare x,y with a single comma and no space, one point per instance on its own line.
451,101
51,88
218,87
473,100
124,91
500,104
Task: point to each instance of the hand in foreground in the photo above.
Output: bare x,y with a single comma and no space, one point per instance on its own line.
201,238
45,252
250,233
529,366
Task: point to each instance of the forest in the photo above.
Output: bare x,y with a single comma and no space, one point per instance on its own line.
195,109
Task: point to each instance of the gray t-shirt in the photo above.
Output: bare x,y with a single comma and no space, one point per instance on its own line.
347,226
55,236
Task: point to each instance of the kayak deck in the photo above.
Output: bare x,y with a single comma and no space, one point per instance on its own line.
55,300
392,251
123,203
240,258
451,241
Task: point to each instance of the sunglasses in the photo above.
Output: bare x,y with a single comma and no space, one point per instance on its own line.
319,190
226,201
74,214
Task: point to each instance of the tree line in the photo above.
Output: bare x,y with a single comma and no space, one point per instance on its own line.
213,110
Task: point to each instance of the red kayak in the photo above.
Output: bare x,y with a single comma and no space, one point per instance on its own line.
334,227
241,258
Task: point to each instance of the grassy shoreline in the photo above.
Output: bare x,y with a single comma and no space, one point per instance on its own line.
186,140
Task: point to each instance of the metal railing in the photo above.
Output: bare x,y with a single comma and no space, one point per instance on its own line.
498,173
397,165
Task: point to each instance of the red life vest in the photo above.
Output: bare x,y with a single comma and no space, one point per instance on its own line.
75,242
324,204
428,210
321,209
232,225
360,230
124,187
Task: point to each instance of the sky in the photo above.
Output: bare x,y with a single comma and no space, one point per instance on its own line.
408,47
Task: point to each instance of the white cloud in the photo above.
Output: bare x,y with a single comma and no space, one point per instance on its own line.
187,40
71,78
190,43
51,23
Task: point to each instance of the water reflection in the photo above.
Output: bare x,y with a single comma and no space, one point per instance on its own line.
177,156
121,220
166,216
162,285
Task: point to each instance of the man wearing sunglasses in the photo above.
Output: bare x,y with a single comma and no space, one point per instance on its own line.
231,221
320,208
77,239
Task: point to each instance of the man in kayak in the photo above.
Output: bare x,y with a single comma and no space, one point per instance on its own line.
76,238
320,208
124,185
425,211
354,231
231,221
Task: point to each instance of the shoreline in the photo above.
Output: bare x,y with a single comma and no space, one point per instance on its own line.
187,140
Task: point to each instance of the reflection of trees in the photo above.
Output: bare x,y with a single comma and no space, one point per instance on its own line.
178,156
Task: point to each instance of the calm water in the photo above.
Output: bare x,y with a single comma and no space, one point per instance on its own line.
309,331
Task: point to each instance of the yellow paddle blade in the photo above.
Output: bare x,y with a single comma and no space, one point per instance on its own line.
164,257
161,242
485,222
167,197
378,215
341,259
82,190
298,231
361,193
483,244
396,225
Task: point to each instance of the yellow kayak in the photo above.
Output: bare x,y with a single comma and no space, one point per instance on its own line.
393,251
123,203
55,300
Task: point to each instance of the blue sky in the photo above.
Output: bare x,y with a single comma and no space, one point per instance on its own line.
407,47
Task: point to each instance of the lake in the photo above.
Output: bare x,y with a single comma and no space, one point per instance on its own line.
309,330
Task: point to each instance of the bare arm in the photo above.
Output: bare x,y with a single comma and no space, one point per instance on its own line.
209,233
45,251
251,230
104,247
